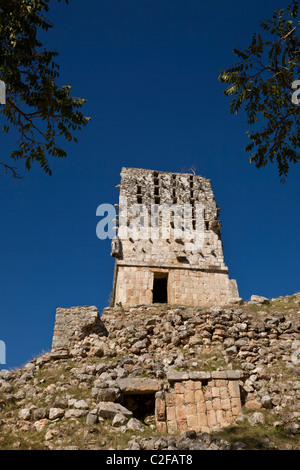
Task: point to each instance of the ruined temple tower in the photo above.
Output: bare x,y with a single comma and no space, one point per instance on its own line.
161,257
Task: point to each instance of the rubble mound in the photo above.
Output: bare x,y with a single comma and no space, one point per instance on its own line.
107,380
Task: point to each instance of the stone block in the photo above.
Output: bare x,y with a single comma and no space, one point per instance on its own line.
171,413
236,406
179,387
225,404
189,385
180,399
24,414
170,399
211,419
208,404
198,385
172,426
160,407
176,376
199,396
180,412
221,418
216,374
224,392
215,392
189,396
182,425
59,353
258,299
234,389
192,422
161,427
70,414
216,403
229,416
191,409
201,407
56,413
138,385
110,409
234,374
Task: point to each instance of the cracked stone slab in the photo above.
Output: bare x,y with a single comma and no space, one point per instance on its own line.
139,385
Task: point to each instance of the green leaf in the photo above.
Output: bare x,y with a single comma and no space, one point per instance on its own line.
37,106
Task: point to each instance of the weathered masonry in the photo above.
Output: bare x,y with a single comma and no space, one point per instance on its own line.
162,265
202,401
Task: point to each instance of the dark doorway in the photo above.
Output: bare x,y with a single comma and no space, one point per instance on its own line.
160,288
142,406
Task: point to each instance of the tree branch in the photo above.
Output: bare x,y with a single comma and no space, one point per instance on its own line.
25,117
8,168
290,32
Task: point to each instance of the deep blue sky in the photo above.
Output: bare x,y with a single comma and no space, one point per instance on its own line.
149,71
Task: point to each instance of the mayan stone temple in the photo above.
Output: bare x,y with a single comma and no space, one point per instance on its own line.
158,261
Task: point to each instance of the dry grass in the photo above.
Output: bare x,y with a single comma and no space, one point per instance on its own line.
261,437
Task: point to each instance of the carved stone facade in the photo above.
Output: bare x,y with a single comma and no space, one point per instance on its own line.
155,260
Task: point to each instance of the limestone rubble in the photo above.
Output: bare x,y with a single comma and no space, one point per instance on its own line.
102,375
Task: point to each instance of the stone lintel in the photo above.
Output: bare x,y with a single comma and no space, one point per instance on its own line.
234,374
177,376
199,375
138,385
211,269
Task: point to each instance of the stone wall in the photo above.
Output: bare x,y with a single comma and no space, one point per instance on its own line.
202,401
74,324
185,286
